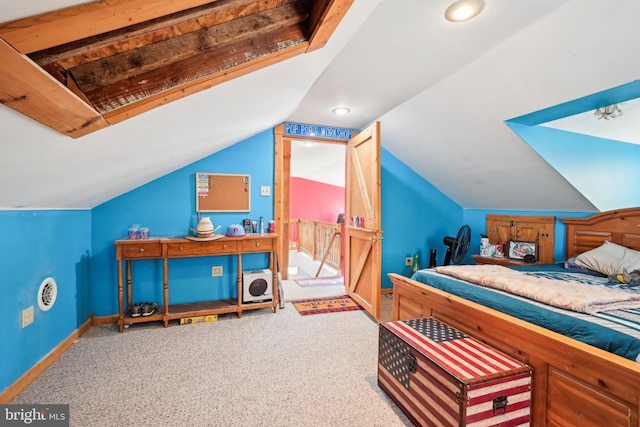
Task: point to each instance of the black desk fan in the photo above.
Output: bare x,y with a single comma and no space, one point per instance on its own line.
458,246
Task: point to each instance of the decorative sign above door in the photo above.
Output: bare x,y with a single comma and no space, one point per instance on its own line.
300,129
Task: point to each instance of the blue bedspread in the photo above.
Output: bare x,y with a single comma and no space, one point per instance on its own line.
617,333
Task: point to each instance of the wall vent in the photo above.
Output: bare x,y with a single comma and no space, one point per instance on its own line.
47,294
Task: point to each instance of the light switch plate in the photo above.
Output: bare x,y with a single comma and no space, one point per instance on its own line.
265,190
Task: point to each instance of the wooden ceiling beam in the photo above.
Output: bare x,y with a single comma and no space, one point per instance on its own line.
330,16
27,88
86,20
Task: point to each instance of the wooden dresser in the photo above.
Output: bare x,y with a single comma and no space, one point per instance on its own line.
537,228
165,248
500,260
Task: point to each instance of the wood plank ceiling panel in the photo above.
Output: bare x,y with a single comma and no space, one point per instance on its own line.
122,58
78,22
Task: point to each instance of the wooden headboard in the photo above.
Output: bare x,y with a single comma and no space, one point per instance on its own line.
621,226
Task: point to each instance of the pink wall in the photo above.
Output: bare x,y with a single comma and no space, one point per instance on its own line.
315,200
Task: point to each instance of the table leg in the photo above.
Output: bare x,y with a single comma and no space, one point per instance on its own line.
120,298
239,285
129,280
165,280
273,265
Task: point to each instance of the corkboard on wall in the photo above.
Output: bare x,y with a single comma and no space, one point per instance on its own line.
223,192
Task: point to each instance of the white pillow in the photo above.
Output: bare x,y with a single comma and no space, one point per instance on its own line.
610,258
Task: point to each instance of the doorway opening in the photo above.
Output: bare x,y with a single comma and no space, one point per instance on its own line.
316,210
309,196
362,247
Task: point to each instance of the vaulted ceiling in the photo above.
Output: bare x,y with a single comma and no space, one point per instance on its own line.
144,105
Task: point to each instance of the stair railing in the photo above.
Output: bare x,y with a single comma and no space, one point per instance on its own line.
318,239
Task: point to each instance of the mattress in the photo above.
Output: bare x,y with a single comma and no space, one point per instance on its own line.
615,331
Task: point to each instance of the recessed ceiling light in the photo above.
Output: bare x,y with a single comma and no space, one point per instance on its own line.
341,111
463,10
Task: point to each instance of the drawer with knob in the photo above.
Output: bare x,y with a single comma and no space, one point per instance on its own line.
142,250
189,248
257,245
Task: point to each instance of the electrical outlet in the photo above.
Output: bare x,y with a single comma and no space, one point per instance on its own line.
216,271
408,261
265,190
27,316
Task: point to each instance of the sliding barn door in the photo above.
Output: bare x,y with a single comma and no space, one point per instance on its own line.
362,216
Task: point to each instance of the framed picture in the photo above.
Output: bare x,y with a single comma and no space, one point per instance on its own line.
518,250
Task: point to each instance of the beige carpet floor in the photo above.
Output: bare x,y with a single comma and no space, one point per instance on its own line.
264,369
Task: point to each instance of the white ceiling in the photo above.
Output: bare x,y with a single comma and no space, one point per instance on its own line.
625,128
321,162
441,90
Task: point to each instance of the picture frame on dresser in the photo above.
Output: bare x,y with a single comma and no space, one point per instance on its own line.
518,249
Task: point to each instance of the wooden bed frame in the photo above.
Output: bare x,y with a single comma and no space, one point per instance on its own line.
574,384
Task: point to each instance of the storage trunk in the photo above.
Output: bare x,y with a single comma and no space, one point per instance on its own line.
440,376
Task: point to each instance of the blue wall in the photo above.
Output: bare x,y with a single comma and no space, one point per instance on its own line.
167,207
77,247
606,172
415,217
37,245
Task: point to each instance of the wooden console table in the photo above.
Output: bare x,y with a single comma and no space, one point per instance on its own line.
171,247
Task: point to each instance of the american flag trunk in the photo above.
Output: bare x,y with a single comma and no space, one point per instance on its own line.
440,376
